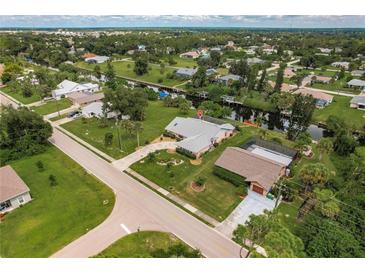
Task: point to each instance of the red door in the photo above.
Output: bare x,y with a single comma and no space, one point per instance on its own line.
258,189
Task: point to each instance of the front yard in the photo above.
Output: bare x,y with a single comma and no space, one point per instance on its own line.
17,95
57,215
340,107
91,131
52,106
142,244
219,197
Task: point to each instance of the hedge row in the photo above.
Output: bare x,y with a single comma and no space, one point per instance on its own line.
229,176
185,152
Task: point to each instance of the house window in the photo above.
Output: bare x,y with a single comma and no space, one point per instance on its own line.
4,205
21,200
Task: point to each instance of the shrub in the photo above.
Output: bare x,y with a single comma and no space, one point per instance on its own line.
40,165
160,80
151,156
52,180
185,152
108,139
200,181
229,176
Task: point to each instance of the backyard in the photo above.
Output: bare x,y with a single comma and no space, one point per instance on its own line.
340,107
91,131
219,197
125,68
52,106
58,214
140,245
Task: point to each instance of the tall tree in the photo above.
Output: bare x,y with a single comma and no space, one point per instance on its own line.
199,77
279,78
140,66
313,175
111,80
301,115
262,82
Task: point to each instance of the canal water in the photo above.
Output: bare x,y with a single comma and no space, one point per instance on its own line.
269,120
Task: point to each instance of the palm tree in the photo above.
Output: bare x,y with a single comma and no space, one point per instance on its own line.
325,145
137,128
326,203
313,174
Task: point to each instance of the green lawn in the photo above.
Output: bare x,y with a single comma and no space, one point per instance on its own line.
125,68
157,118
140,245
219,197
338,85
52,106
181,62
57,215
17,95
256,100
341,107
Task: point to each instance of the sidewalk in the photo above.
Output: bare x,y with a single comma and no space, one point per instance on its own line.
127,161
174,198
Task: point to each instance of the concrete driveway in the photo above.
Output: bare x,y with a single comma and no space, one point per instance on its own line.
253,204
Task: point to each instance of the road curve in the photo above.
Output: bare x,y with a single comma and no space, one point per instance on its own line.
137,207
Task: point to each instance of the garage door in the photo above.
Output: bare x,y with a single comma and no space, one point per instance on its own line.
258,189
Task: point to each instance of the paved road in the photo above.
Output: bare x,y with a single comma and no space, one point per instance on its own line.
5,101
137,206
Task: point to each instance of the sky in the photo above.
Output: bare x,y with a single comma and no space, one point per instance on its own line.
272,21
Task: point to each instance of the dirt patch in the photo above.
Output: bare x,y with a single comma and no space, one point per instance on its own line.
196,187
196,162
171,151
163,139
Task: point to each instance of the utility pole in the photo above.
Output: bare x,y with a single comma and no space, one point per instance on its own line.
117,124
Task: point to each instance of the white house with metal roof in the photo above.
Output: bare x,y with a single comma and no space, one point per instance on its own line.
356,83
228,78
198,136
66,87
97,59
358,102
186,72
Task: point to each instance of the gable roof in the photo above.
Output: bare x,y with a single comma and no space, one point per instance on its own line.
356,82
84,98
198,133
358,100
228,77
186,71
251,166
11,185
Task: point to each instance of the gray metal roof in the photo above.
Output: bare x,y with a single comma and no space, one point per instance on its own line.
230,77
358,100
186,71
198,133
356,82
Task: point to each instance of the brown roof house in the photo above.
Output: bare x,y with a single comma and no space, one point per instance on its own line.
83,99
13,191
322,99
261,172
